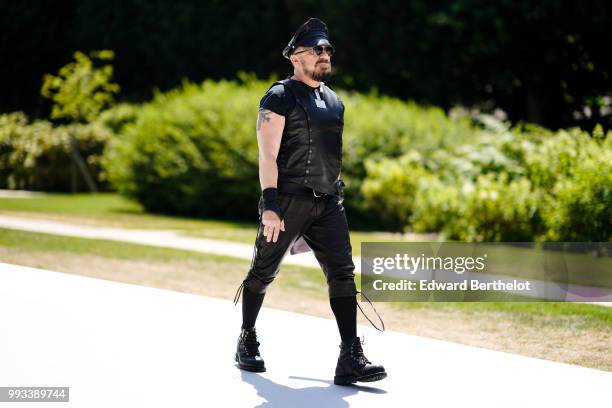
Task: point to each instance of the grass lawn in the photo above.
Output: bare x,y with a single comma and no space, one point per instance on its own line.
113,210
565,332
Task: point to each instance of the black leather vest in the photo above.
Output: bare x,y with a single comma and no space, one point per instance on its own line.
310,153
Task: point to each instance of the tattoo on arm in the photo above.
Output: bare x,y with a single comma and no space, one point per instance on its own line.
264,116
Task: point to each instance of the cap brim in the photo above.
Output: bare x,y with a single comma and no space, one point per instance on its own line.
311,42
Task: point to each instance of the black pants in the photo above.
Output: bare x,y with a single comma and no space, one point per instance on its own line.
321,221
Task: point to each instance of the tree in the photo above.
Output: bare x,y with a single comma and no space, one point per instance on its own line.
79,93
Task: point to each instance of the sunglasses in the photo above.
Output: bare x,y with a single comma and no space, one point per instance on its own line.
318,50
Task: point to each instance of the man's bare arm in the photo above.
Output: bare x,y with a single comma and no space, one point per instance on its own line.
270,127
269,134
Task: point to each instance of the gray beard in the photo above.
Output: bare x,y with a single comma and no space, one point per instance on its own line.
320,76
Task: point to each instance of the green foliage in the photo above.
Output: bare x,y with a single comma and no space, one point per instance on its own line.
505,185
580,207
378,127
498,209
40,156
390,187
37,156
437,206
117,117
80,91
192,150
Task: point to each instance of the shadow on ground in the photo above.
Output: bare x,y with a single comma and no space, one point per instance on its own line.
329,395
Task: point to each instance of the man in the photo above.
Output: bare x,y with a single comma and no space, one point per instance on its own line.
299,134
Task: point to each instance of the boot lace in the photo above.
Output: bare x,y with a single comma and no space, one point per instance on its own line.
357,353
250,343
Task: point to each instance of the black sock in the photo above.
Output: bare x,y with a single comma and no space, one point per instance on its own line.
251,303
345,310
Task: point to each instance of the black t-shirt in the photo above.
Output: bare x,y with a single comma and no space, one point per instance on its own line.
280,100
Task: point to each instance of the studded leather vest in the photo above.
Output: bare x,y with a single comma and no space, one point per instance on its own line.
310,153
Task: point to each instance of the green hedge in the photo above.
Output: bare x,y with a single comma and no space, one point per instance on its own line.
192,151
507,185
380,127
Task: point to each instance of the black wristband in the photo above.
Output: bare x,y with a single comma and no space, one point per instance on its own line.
270,200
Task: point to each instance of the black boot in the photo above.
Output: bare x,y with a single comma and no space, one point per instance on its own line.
247,351
353,365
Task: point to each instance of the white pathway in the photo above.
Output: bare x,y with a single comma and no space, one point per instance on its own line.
163,238
21,193
121,345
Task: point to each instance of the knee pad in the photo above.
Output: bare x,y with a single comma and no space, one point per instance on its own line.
344,286
256,284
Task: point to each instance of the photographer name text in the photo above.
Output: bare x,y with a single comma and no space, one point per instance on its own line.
472,284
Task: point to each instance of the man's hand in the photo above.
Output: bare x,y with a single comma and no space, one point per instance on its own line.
273,225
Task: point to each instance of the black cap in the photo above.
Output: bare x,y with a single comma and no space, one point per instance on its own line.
312,32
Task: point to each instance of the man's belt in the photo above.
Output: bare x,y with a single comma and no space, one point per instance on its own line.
298,189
